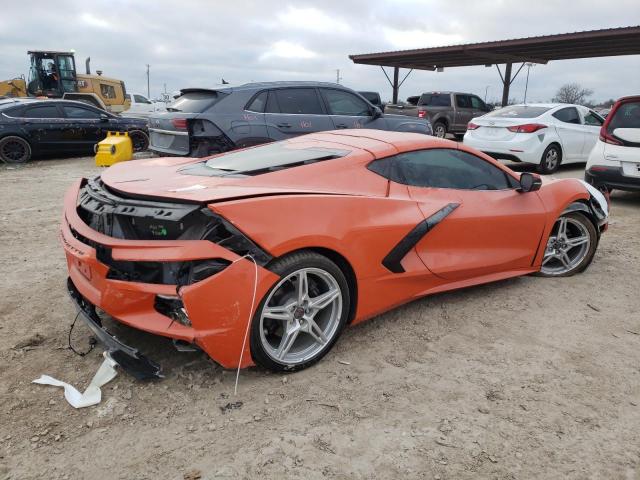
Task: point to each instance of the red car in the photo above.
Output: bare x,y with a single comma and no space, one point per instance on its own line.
264,255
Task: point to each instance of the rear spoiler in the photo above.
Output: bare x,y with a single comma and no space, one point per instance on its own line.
206,90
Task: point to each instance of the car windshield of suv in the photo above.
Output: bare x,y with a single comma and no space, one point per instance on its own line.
195,102
626,116
518,111
263,159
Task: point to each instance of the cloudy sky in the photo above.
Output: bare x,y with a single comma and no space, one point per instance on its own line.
196,43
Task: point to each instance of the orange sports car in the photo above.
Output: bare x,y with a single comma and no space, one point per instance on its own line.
264,255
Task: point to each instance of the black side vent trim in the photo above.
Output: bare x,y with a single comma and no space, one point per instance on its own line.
397,253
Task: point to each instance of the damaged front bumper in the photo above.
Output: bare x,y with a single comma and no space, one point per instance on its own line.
211,313
129,358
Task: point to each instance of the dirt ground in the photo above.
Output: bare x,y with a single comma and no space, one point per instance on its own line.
525,378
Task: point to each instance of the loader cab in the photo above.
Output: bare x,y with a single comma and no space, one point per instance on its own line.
52,74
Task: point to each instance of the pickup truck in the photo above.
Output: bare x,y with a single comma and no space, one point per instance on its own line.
142,107
448,112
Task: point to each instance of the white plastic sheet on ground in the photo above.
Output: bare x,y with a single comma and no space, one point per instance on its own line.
92,395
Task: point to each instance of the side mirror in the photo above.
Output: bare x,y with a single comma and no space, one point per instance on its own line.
104,117
529,182
376,113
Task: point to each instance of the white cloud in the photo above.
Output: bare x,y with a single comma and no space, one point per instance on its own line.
311,19
93,21
407,39
284,49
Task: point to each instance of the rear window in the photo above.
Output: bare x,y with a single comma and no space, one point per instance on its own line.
194,102
626,116
518,111
435,100
263,159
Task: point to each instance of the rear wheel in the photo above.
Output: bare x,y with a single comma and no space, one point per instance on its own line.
571,246
139,140
14,150
302,315
440,129
551,158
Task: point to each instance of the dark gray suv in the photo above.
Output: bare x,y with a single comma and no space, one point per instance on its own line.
205,121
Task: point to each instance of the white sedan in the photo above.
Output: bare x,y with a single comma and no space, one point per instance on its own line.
545,134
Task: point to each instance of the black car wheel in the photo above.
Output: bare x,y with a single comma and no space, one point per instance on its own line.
139,139
14,150
302,315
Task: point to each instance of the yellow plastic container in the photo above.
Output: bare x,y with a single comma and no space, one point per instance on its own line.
117,147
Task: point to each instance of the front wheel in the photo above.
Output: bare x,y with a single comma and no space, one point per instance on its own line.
571,246
302,315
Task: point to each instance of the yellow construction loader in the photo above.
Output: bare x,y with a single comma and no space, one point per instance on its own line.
53,75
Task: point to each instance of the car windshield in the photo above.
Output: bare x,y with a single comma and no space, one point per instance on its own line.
518,111
265,159
195,102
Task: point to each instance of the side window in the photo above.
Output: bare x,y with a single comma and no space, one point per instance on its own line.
258,103
345,103
593,118
107,91
79,112
463,101
139,98
477,104
303,101
272,103
568,115
444,168
44,111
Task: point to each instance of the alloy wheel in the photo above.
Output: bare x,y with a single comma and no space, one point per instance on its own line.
13,151
567,246
440,131
551,159
301,316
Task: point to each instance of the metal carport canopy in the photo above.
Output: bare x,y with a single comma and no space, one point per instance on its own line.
593,43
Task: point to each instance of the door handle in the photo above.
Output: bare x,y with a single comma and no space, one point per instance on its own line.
342,125
284,125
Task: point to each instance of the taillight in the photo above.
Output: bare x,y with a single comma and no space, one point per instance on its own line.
526,128
179,123
606,137
472,126
422,113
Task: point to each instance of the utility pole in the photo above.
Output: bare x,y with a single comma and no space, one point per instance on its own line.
526,86
148,89
486,89
338,77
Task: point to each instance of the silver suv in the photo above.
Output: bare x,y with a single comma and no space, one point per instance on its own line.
448,112
205,121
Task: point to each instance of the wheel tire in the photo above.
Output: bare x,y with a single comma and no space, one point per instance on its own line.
14,150
285,267
585,261
139,140
440,129
551,159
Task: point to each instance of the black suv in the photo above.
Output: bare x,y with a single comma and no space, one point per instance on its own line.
205,121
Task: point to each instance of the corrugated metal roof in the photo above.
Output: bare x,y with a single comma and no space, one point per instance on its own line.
540,49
